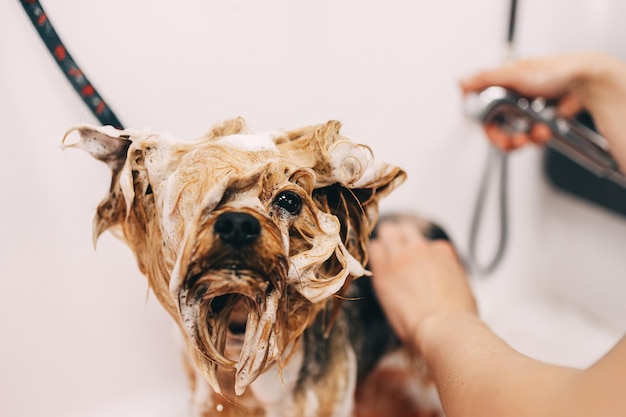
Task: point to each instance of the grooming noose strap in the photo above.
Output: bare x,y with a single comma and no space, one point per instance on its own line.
72,72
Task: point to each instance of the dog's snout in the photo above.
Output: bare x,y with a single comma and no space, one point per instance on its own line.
237,228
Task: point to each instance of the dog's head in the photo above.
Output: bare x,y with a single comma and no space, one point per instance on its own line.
244,237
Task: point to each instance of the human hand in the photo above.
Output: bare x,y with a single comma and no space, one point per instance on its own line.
593,81
415,278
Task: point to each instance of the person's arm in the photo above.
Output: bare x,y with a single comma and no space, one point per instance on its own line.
589,80
424,292
478,374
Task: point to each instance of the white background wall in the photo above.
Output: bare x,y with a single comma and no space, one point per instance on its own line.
79,333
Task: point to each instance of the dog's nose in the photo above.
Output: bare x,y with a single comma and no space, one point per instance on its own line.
237,228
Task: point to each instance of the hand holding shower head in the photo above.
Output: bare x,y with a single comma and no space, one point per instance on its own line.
514,113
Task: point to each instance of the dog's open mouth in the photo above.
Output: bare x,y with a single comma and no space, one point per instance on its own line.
236,322
232,321
237,316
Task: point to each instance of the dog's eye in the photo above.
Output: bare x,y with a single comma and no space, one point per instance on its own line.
289,201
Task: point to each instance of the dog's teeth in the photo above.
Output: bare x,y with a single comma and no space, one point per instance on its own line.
213,381
258,345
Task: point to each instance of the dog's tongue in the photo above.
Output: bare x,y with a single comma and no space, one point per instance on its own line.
259,343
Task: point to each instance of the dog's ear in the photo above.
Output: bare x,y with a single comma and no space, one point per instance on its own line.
106,144
110,146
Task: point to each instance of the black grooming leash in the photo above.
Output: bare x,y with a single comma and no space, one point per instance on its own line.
72,72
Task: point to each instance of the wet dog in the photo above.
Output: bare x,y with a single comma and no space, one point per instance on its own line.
253,243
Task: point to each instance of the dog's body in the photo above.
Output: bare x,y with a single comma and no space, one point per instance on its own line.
251,243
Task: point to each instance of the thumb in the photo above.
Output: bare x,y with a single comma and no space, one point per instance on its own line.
377,253
569,105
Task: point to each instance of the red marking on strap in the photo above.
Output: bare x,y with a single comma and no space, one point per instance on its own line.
59,52
28,1
100,107
75,72
87,90
42,19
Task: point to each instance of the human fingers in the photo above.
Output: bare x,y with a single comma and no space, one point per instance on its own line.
505,140
378,253
387,244
400,234
521,76
549,77
409,231
540,134
484,79
570,105
390,234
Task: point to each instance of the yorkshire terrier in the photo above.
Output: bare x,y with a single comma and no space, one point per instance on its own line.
256,245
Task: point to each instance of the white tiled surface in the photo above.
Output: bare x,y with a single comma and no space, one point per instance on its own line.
78,337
